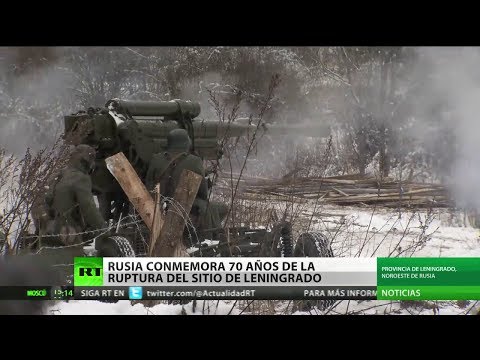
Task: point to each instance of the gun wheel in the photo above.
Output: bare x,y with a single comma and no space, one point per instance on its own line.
116,246
313,244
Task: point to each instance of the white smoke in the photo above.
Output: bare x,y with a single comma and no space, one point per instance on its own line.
454,83
32,103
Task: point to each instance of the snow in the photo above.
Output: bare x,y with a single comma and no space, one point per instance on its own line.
206,242
436,233
353,232
124,307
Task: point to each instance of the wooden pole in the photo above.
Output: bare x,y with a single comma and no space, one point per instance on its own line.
133,187
171,235
169,242
166,232
157,220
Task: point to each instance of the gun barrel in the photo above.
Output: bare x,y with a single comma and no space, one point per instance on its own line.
145,125
173,108
221,130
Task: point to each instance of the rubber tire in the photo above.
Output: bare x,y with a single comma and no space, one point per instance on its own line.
314,244
116,246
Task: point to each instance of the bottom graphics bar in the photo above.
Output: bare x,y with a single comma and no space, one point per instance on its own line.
114,293
224,293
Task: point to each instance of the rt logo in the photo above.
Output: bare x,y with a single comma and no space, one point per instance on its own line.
135,292
89,271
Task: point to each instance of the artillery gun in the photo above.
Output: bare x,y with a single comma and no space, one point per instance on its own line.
139,129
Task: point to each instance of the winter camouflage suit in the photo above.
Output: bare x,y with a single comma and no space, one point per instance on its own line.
166,169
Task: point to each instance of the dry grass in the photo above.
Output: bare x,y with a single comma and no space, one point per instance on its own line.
23,181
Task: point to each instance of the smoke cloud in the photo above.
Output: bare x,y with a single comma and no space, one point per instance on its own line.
444,96
452,94
32,101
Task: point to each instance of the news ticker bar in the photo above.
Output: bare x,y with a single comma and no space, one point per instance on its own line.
109,293
228,293
288,278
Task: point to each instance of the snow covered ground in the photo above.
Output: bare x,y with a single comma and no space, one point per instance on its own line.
351,307
354,232
125,307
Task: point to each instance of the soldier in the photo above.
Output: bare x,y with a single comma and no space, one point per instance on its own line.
166,168
71,205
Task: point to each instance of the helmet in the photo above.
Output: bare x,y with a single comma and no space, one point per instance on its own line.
178,140
84,157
